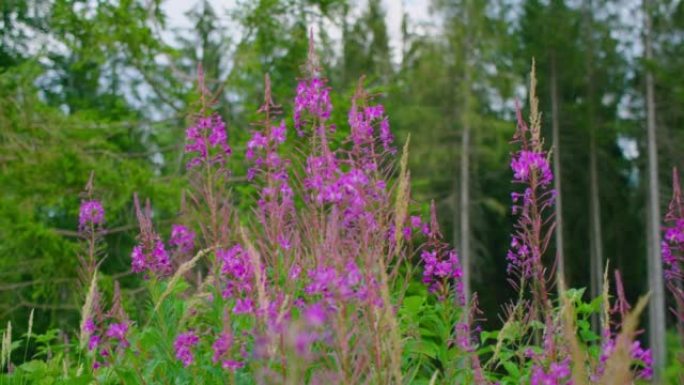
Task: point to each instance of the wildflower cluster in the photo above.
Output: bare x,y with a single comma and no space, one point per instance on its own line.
183,345
91,213
207,141
276,196
533,210
346,209
105,334
220,347
558,373
363,135
441,266
182,238
150,254
531,168
641,357
237,270
527,165
672,246
313,97
91,221
312,288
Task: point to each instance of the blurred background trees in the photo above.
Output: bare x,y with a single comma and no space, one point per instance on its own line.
107,86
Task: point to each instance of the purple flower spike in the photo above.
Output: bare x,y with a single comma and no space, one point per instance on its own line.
526,162
557,374
672,244
182,346
243,306
161,258
138,263
117,331
314,315
313,96
182,238
645,357
89,326
221,346
278,133
207,136
93,342
232,365
90,212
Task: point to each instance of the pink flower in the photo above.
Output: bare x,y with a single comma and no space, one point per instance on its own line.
161,258
314,315
243,306
206,136
89,325
182,346
321,280
278,133
295,270
93,342
155,260
138,263
182,238
416,222
557,374
90,212
221,346
525,163
117,331
232,365
313,96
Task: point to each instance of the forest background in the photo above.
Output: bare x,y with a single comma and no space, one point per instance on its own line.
107,87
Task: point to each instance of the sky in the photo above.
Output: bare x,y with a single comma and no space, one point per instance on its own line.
418,11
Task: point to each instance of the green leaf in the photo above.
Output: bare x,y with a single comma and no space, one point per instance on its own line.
34,366
588,336
427,332
511,368
536,325
49,380
575,295
81,380
413,304
596,304
127,376
429,349
485,336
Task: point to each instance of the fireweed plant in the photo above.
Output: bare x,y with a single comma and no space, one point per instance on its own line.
538,342
332,279
672,251
672,247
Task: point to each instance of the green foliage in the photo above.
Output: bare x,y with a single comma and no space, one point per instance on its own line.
83,89
47,158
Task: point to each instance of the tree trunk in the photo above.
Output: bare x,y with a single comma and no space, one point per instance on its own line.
465,163
595,235
555,128
465,205
655,270
596,239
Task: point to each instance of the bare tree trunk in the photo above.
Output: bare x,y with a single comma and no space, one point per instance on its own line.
655,270
465,205
596,238
555,128
465,164
595,235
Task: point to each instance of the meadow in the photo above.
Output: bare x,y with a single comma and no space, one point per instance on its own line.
333,276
